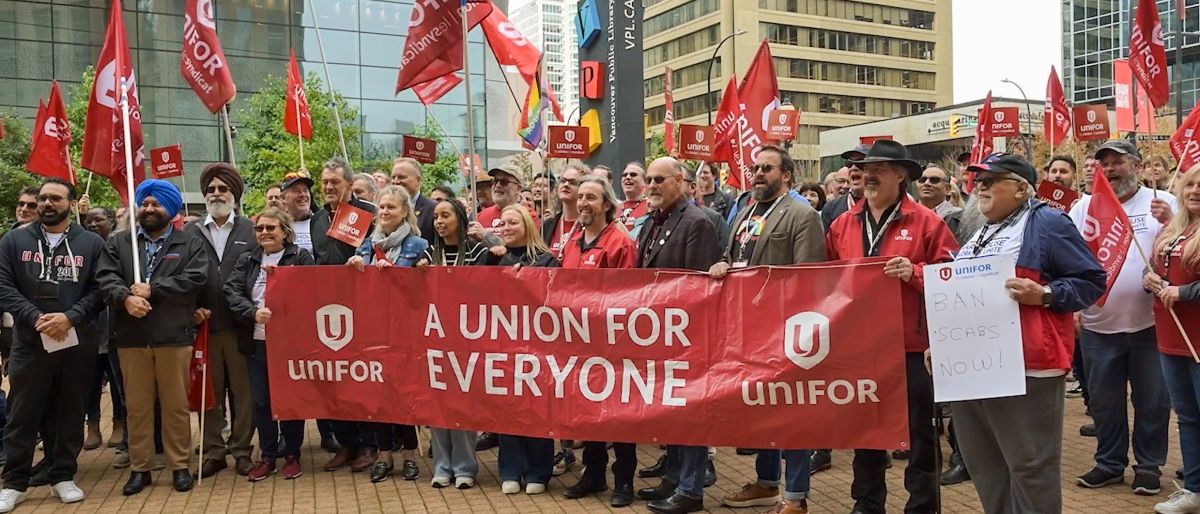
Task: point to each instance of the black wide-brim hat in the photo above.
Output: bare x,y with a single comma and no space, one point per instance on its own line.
885,150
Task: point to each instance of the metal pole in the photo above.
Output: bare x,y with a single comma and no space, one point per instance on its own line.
328,82
1178,69
1028,121
300,136
429,115
470,117
130,210
229,135
708,75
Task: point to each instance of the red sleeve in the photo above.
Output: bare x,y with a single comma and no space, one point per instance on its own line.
940,247
831,241
626,255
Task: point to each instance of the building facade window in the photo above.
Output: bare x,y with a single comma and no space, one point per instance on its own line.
846,41
685,108
682,77
680,46
854,74
680,15
855,11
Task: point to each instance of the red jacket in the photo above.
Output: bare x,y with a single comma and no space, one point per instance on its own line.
1170,341
918,234
613,249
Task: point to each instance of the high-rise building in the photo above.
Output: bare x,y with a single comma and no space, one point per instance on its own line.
1096,32
840,62
550,26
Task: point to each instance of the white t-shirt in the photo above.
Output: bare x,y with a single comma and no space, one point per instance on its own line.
1128,308
1006,242
303,231
259,292
54,239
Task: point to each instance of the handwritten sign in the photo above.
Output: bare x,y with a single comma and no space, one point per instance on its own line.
974,330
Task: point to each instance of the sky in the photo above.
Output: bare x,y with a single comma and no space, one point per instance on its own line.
1019,42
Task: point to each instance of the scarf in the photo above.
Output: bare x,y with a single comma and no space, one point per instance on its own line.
390,244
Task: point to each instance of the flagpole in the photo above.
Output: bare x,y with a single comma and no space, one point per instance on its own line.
300,135
131,209
470,117
329,82
229,134
203,390
1174,317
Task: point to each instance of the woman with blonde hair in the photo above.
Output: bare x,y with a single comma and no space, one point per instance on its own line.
522,239
1175,280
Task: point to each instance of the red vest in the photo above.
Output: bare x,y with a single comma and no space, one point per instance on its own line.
1170,341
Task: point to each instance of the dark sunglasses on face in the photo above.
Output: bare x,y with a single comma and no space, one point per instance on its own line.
932,180
27,205
630,174
216,189
988,182
266,228
573,182
503,182
765,168
656,180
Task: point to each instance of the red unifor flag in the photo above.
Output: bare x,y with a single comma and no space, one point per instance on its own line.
49,156
203,63
981,146
1185,143
431,91
103,136
433,47
1106,229
38,121
509,45
1148,53
199,377
731,132
296,120
668,115
1056,123
759,95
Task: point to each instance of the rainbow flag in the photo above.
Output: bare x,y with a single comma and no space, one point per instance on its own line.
531,128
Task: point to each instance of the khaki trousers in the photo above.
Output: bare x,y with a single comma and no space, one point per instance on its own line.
162,374
230,372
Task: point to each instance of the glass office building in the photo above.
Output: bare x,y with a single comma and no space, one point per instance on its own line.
1096,32
41,40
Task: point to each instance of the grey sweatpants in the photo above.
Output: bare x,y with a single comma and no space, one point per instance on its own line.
1013,448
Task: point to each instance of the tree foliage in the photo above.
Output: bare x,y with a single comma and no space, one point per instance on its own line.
14,152
444,172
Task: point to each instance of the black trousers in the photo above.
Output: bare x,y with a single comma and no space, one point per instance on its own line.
595,461
869,488
48,393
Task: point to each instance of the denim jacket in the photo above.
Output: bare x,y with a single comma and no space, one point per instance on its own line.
411,251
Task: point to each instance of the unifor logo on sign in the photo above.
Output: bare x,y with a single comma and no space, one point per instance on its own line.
806,339
335,325
945,273
999,115
1091,116
699,136
166,156
569,135
1058,194
420,145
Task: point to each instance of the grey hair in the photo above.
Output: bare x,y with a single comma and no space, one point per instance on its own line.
372,187
970,220
335,163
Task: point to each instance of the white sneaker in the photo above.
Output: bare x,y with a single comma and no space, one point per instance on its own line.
440,482
1182,501
67,491
508,487
535,488
10,498
464,482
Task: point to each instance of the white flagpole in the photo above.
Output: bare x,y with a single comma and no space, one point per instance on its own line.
470,117
131,209
203,391
329,83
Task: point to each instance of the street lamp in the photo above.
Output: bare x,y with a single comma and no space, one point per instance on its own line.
708,97
1028,120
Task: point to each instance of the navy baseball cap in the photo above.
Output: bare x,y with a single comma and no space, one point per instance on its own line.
1006,163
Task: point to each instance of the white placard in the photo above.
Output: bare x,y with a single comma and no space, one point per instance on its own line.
974,330
52,345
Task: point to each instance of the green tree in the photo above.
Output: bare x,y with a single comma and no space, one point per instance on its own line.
268,152
14,152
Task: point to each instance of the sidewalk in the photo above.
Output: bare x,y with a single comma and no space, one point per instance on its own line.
342,491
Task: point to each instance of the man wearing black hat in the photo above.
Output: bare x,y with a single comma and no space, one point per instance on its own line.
226,237
1118,340
836,207
890,224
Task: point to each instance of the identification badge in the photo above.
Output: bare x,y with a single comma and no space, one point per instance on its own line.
739,264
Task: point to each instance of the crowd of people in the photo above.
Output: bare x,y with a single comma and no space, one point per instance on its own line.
83,309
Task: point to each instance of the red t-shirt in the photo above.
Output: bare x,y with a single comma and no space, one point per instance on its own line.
564,231
490,219
1170,341
631,210
613,249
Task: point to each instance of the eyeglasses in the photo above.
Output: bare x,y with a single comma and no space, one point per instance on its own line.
216,189
27,205
632,174
851,164
932,180
573,182
988,182
266,228
49,198
765,168
656,180
502,182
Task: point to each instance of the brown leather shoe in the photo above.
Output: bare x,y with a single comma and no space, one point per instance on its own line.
752,495
211,467
366,459
340,459
791,507
243,465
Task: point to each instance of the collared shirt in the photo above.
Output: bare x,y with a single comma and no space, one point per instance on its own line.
945,208
611,249
219,235
152,247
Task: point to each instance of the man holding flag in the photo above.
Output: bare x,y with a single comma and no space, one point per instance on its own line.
1118,340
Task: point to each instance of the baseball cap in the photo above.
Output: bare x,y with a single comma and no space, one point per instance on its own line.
963,157
1120,146
1006,163
296,177
860,149
507,169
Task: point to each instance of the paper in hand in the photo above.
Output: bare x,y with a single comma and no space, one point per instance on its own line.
51,345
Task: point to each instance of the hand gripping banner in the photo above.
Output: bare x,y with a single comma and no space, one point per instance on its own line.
798,357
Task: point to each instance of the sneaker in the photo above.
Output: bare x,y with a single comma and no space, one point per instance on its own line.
439,482
1088,430
10,498
1075,392
535,488
261,470
292,468
510,487
1145,484
67,491
563,461
822,460
752,495
1097,478
464,482
121,461
1182,501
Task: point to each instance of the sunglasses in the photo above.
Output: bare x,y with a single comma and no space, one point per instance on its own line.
765,168
216,189
266,228
931,180
988,182
503,182
573,182
27,205
656,180
630,175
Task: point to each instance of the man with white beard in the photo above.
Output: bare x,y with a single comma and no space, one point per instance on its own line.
227,236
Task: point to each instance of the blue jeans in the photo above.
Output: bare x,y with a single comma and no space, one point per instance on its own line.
528,458
1112,361
453,452
685,468
268,428
1182,375
798,464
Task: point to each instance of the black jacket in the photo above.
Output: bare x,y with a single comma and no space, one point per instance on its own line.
241,240
175,289
686,240
21,272
423,209
239,288
330,251
520,255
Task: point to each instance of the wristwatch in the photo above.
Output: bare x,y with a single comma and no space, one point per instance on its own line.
1047,296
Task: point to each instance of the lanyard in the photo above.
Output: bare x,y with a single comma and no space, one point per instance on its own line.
564,237
744,230
1170,249
873,238
152,256
981,243
625,216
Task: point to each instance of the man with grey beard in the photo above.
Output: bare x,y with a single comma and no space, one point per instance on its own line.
226,236
1120,351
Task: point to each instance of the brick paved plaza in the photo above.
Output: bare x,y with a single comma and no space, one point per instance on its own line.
342,491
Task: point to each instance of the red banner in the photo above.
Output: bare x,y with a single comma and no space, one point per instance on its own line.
756,97
1106,229
1091,122
598,355
421,149
167,161
696,142
783,124
203,63
1123,100
433,47
1185,143
1148,53
568,141
296,120
870,140
350,225
509,45
103,136
731,136
431,91
1056,196
1005,122
1056,122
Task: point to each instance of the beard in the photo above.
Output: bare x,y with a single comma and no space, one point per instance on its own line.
766,192
218,208
970,221
1126,186
152,221
586,219
52,218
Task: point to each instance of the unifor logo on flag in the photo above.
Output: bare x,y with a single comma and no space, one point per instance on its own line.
1056,119
335,326
1148,54
103,136
1184,144
1106,229
806,339
202,62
